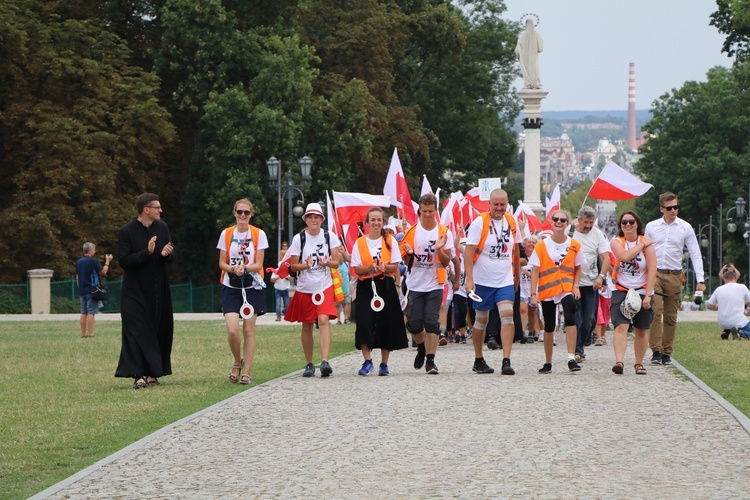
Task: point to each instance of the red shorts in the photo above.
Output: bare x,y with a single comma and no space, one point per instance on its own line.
301,308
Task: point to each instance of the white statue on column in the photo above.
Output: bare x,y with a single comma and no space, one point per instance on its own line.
529,46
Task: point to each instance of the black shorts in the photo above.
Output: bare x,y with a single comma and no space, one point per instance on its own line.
642,320
231,300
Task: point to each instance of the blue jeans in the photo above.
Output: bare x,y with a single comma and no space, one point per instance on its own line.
281,296
586,316
744,331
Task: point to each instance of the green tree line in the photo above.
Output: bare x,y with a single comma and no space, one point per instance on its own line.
699,137
103,100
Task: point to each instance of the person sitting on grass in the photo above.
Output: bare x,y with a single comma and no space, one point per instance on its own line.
730,300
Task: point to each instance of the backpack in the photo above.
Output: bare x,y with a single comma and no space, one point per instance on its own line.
302,240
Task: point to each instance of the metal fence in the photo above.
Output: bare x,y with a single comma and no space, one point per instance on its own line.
186,298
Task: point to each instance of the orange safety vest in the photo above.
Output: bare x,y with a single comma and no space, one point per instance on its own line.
486,231
364,253
555,279
254,235
409,238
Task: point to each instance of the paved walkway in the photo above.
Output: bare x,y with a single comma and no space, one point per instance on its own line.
454,435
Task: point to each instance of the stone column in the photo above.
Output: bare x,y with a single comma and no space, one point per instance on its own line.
39,285
532,124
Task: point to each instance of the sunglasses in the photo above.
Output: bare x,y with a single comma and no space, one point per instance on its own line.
158,207
244,212
559,219
627,222
673,207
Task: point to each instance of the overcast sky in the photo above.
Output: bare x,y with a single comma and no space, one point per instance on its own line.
589,44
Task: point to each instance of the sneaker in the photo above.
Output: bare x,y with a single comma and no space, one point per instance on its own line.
507,369
419,358
431,368
540,338
443,340
463,339
666,359
573,366
492,344
725,335
530,339
383,370
457,339
481,366
547,368
309,370
366,369
656,358
325,368
278,318
735,333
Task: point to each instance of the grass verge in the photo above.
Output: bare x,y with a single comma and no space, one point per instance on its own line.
720,364
62,409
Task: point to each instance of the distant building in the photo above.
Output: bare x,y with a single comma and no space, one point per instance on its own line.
558,161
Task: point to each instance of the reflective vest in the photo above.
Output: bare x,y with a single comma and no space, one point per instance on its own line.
364,253
409,238
554,279
486,231
254,235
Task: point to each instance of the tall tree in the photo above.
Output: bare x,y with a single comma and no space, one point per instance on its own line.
81,133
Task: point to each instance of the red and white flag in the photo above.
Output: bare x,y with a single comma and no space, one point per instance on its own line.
352,208
426,188
524,212
451,214
479,205
396,189
552,205
283,270
616,183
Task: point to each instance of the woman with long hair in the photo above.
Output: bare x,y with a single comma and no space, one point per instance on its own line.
380,324
635,270
242,248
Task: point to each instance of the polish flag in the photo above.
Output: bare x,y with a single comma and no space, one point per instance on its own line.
351,232
523,212
426,188
552,204
451,214
352,208
616,183
479,205
396,189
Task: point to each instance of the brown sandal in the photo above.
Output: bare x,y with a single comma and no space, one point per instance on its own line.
639,369
234,378
618,368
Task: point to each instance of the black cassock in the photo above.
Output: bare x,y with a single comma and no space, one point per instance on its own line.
146,308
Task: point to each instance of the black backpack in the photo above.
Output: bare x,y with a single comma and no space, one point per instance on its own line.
302,239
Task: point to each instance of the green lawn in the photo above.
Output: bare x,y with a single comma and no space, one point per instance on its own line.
62,409
723,365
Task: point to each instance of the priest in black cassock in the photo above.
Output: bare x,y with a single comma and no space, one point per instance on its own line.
144,247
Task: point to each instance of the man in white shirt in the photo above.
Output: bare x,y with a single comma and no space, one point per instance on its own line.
670,235
493,273
730,300
594,246
427,248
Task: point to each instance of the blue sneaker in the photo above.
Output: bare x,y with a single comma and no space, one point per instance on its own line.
367,368
325,368
383,370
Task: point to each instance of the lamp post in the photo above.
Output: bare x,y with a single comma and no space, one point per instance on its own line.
288,189
708,244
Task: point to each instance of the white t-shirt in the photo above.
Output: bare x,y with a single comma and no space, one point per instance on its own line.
557,252
280,284
236,255
461,280
494,267
730,299
318,277
592,243
525,286
423,274
632,274
375,247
